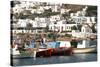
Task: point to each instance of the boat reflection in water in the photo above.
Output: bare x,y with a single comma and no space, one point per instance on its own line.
84,57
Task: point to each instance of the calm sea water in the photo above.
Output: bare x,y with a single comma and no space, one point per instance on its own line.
55,59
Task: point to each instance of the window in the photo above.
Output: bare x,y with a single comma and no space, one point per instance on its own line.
80,42
64,22
69,27
51,28
83,30
14,31
55,22
39,31
84,20
31,30
66,27
22,31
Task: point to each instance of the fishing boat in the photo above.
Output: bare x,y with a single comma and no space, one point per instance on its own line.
52,50
62,51
84,50
85,47
56,49
44,53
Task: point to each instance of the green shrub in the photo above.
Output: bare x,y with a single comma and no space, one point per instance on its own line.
74,43
68,35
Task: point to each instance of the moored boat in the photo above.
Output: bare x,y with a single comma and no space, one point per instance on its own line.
83,46
56,49
54,52
62,51
43,52
84,50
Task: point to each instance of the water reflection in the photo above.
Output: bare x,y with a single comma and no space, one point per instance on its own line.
56,59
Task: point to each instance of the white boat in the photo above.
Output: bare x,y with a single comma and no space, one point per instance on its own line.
84,50
14,50
85,47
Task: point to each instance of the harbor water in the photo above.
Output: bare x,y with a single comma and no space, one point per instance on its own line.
88,57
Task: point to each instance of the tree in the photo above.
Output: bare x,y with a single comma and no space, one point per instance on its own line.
74,28
29,26
74,43
91,11
52,36
13,3
47,28
66,15
92,27
79,27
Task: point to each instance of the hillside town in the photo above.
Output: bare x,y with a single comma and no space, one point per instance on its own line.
43,22
63,32
37,17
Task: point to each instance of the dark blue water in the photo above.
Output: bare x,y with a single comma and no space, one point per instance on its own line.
55,59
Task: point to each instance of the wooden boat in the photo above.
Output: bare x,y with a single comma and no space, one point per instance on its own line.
23,54
83,47
62,51
84,50
54,52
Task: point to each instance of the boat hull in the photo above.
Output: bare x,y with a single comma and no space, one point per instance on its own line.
84,50
55,52
45,52
61,51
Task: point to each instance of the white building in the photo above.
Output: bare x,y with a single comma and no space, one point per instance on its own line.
41,22
33,11
55,18
27,5
81,20
55,8
22,22
38,22
60,26
86,29
63,11
85,32
47,7
17,9
80,13
16,31
40,10
24,5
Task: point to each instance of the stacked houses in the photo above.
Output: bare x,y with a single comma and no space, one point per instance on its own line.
35,17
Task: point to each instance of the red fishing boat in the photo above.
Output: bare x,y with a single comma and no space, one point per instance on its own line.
54,52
